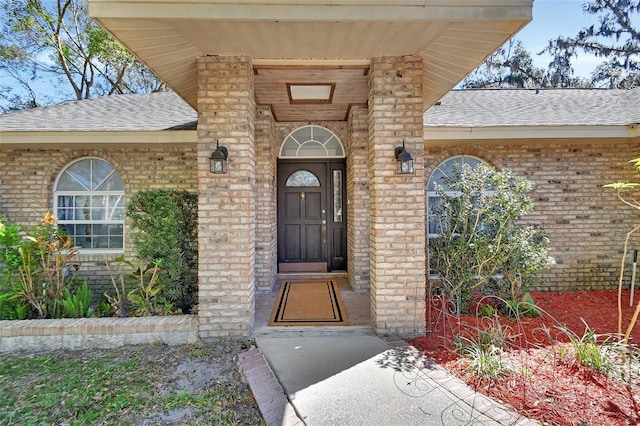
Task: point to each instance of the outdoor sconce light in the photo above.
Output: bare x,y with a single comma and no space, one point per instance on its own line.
218,160
403,160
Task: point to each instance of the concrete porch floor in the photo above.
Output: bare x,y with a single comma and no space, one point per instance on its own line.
356,304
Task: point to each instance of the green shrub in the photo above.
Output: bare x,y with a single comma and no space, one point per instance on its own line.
10,241
481,241
165,227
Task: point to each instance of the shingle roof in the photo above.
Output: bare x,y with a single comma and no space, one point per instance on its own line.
148,112
458,108
549,107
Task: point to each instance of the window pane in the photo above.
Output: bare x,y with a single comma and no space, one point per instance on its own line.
111,183
98,207
302,178
334,147
68,183
100,170
65,207
312,149
433,203
337,196
81,171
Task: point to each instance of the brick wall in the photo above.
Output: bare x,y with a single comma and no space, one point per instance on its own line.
397,214
358,199
267,224
95,333
227,203
28,176
586,223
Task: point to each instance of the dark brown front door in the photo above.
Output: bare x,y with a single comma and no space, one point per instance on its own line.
307,216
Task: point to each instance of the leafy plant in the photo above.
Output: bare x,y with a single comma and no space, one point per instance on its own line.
146,296
165,227
481,241
77,305
524,307
10,241
588,351
621,191
118,301
12,309
45,268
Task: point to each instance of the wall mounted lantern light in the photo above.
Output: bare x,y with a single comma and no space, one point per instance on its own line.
218,159
403,160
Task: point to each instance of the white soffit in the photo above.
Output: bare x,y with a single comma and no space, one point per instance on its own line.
451,36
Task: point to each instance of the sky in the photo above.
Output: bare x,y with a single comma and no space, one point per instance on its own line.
552,18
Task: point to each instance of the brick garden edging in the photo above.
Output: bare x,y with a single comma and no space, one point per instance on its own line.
96,333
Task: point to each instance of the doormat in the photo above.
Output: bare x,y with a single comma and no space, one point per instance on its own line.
309,303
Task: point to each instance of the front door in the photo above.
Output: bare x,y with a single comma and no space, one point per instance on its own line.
311,217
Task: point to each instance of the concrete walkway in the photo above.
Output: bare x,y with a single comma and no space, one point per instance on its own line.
360,379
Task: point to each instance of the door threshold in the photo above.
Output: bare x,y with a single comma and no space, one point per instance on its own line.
311,275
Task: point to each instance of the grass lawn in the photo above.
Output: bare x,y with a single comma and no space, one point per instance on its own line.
151,384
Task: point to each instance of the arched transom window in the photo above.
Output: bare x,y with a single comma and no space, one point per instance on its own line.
311,142
89,203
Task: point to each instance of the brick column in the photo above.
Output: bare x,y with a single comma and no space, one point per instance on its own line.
358,199
227,224
397,213
267,213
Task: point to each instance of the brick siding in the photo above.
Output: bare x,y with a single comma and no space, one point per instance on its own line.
30,173
586,223
397,214
227,203
267,217
358,199
95,333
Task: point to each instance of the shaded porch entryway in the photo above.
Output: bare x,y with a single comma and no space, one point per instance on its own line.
358,306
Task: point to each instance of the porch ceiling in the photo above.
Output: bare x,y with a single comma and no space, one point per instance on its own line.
312,42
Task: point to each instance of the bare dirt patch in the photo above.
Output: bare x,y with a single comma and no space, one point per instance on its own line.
154,384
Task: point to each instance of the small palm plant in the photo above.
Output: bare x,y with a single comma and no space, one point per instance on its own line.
622,193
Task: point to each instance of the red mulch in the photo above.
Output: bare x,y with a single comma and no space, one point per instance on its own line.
556,390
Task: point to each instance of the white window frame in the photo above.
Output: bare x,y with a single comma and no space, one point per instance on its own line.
302,143
110,209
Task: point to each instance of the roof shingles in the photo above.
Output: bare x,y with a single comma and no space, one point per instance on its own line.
138,112
549,107
458,108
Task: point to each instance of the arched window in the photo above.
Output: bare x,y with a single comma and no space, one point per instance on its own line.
444,171
302,178
311,142
89,203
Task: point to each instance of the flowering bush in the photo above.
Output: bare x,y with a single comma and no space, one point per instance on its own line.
37,268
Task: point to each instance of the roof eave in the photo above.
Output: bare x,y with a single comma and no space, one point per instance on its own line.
529,132
88,137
